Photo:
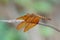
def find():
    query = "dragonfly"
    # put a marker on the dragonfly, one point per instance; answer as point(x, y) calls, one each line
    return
point(30, 21)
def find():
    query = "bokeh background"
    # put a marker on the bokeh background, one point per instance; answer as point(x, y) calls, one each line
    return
point(11, 9)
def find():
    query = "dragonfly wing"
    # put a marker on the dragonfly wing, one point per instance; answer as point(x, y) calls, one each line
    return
point(23, 17)
point(19, 18)
point(21, 25)
point(29, 26)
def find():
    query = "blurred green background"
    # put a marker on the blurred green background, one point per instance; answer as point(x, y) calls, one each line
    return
point(8, 31)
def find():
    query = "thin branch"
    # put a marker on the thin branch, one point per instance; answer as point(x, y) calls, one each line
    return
point(40, 23)
point(49, 25)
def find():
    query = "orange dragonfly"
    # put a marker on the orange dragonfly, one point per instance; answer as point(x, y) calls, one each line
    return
point(30, 20)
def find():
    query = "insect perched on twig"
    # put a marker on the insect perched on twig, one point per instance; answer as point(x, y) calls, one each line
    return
point(30, 20)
